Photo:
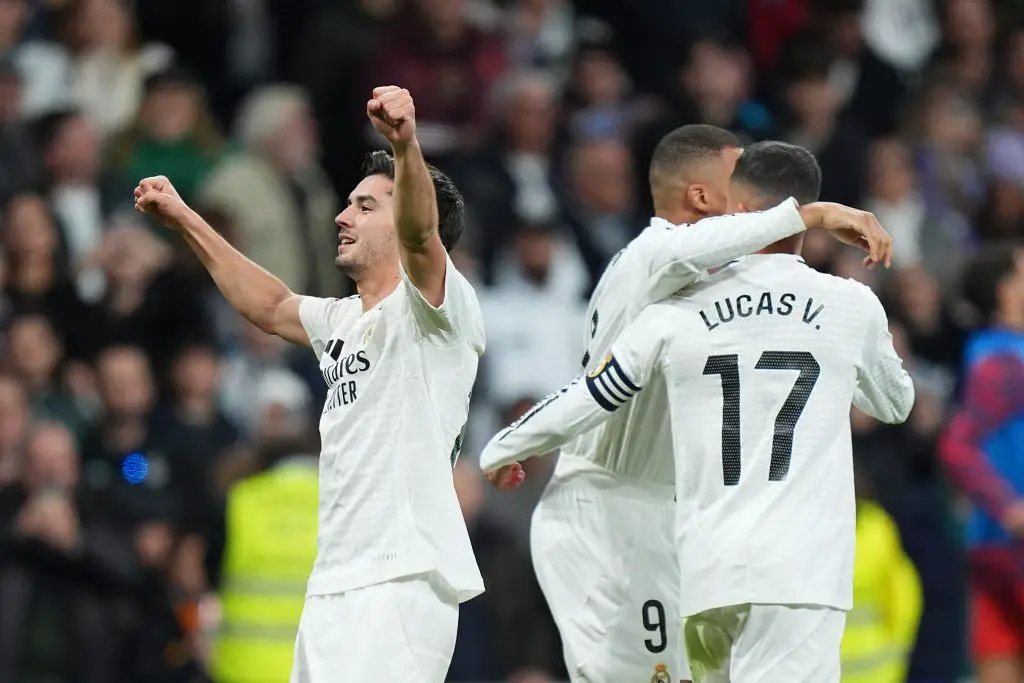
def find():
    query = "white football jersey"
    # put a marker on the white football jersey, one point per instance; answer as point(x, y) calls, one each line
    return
point(635, 444)
point(399, 379)
point(760, 362)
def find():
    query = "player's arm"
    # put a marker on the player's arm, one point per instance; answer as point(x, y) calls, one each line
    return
point(885, 390)
point(583, 404)
point(994, 394)
point(255, 293)
point(424, 258)
point(678, 257)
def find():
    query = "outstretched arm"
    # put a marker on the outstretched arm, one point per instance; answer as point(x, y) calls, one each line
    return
point(678, 257)
point(424, 257)
point(258, 295)
point(585, 403)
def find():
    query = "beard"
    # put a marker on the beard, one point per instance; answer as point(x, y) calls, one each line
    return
point(364, 255)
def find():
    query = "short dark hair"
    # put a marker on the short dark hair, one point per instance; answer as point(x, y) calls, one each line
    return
point(777, 170)
point(451, 208)
point(985, 274)
point(688, 144)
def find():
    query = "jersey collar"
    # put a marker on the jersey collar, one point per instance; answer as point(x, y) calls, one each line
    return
point(662, 223)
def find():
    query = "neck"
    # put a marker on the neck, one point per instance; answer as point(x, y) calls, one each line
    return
point(818, 127)
point(126, 300)
point(196, 410)
point(74, 177)
point(679, 215)
point(375, 288)
point(719, 112)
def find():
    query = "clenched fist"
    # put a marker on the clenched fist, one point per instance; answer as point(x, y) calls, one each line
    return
point(393, 114)
point(157, 197)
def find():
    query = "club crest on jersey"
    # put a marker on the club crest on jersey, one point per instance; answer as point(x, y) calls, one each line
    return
point(368, 334)
point(661, 674)
point(600, 367)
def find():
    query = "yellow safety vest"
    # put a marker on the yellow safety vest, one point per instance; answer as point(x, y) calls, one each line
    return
point(882, 627)
point(271, 547)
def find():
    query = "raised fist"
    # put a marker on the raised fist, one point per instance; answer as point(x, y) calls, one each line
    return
point(157, 197)
point(393, 114)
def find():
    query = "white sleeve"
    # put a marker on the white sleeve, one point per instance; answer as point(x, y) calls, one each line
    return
point(583, 404)
point(885, 390)
point(679, 257)
point(323, 317)
point(458, 316)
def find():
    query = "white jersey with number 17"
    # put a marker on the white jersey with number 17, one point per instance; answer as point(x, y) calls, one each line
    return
point(760, 362)
point(635, 445)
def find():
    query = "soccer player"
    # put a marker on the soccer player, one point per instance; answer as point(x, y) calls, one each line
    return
point(983, 450)
point(399, 359)
point(602, 536)
point(765, 514)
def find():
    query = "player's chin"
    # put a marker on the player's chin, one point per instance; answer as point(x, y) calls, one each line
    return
point(345, 261)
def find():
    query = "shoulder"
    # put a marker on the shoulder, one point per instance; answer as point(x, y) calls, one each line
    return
point(238, 166)
point(43, 50)
point(649, 239)
point(855, 294)
point(658, 319)
point(858, 292)
point(243, 491)
point(329, 311)
point(459, 317)
point(155, 57)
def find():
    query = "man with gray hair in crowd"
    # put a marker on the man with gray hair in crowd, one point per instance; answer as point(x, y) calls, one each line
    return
point(273, 199)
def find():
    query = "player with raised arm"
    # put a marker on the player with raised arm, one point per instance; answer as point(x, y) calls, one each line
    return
point(602, 537)
point(759, 364)
point(394, 559)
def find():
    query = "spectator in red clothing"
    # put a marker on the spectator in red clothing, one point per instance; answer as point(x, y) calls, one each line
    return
point(772, 23)
point(449, 66)
point(983, 450)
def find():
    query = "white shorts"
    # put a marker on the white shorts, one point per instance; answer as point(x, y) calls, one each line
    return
point(765, 644)
point(606, 562)
point(402, 630)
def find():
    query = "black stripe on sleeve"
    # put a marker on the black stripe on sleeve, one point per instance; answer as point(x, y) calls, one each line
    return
point(610, 386)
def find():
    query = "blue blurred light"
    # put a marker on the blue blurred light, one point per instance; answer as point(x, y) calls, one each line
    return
point(135, 468)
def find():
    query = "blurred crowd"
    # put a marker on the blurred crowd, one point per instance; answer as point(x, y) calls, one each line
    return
point(132, 397)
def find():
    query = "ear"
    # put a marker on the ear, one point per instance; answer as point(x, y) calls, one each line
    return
point(698, 198)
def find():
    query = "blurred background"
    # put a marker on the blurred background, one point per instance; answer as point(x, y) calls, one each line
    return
point(143, 423)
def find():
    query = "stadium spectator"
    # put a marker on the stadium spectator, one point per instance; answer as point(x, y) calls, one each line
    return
point(174, 129)
point(57, 562)
point(435, 52)
point(84, 196)
point(277, 202)
point(982, 449)
point(882, 626)
point(111, 64)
